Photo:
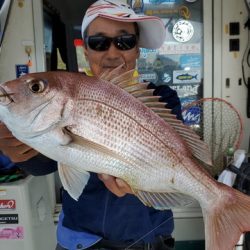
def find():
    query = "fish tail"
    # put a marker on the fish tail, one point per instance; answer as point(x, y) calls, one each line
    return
point(227, 219)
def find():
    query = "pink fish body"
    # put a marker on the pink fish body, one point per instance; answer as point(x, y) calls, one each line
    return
point(88, 124)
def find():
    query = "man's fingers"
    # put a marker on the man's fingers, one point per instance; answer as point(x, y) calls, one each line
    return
point(4, 132)
point(17, 157)
point(13, 148)
point(12, 142)
point(123, 186)
point(17, 151)
point(111, 183)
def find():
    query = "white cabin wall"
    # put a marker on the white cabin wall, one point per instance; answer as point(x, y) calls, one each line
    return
point(24, 28)
point(227, 65)
point(19, 32)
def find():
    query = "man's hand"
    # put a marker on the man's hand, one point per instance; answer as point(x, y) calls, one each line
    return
point(13, 148)
point(115, 185)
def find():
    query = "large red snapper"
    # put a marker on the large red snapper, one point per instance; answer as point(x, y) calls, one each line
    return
point(88, 124)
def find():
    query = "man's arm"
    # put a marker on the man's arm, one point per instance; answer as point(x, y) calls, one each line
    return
point(13, 148)
point(24, 156)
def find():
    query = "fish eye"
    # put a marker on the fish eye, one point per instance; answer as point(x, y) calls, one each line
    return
point(36, 85)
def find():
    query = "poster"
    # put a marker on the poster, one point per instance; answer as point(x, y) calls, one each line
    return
point(179, 61)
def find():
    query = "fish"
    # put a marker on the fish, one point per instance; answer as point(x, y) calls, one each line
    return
point(187, 76)
point(116, 126)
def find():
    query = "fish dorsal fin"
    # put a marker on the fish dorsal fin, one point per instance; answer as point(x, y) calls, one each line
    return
point(162, 201)
point(122, 80)
point(140, 91)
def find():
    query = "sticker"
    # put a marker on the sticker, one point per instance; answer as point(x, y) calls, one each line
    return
point(183, 31)
point(151, 77)
point(8, 218)
point(144, 53)
point(191, 61)
point(7, 204)
point(21, 69)
point(184, 12)
point(183, 76)
point(187, 90)
point(175, 49)
point(166, 78)
point(187, 100)
point(192, 115)
point(11, 233)
point(137, 5)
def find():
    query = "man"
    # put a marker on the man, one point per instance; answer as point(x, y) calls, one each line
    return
point(107, 216)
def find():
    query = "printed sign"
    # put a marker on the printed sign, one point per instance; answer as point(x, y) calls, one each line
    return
point(180, 48)
point(8, 218)
point(183, 76)
point(10, 233)
point(185, 90)
point(21, 69)
point(145, 53)
point(7, 204)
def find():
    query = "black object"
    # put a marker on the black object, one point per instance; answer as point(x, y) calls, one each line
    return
point(242, 182)
point(11, 175)
point(234, 44)
point(248, 98)
point(234, 28)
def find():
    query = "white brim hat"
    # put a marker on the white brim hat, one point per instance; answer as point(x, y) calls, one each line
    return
point(151, 28)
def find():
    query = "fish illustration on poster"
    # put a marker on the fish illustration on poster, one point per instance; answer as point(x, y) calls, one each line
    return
point(183, 76)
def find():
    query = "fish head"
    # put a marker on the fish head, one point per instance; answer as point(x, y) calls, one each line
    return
point(34, 103)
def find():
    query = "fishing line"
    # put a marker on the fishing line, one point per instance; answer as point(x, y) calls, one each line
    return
point(127, 248)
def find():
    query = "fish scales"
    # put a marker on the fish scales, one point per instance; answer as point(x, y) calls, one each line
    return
point(88, 124)
point(111, 124)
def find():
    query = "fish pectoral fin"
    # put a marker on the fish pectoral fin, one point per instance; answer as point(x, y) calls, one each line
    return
point(61, 136)
point(162, 201)
point(73, 180)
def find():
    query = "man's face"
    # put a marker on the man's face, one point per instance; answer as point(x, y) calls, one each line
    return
point(100, 61)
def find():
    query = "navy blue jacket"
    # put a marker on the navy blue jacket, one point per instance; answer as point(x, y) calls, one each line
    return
point(100, 212)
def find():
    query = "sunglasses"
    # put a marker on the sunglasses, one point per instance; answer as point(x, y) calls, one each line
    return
point(103, 43)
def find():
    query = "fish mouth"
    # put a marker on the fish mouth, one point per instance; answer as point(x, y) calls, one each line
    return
point(5, 97)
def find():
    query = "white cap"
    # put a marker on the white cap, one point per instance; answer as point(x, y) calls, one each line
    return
point(151, 28)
